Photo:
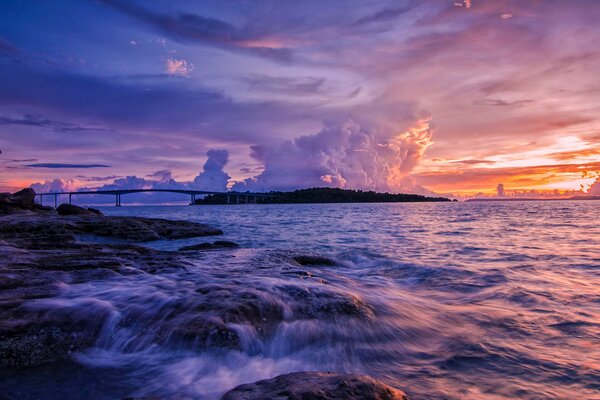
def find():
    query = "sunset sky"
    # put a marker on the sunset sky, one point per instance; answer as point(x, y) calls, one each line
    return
point(405, 96)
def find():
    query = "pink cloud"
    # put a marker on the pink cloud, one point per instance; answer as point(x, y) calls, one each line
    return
point(179, 67)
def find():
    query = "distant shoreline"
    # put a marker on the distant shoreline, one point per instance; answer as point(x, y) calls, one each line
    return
point(318, 196)
point(534, 199)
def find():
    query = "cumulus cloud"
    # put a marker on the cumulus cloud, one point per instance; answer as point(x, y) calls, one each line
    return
point(594, 190)
point(342, 155)
point(213, 177)
point(178, 67)
point(55, 185)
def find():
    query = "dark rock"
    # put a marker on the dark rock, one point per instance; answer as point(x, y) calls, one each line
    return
point(41, 230)
point(219, 303)
point(311, 259)
point(24, 198)
point(219, 244)
point(95, 211)
point(138, 229)
point(18, 202)
point(70, 209)
point(316, 386)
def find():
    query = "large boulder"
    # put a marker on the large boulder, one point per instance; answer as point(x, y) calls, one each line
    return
point(70, 209)
point(24, 198)
point(19, 201)
point(316, 386)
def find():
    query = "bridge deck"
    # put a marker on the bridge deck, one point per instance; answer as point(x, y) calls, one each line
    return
point(192, 193)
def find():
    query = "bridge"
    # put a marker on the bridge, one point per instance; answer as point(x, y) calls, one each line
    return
point(232, 197)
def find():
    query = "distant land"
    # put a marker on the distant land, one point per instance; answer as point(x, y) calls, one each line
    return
point(535, 198)
point(322, 195)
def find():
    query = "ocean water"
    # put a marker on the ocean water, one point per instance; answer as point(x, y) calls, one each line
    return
point(495, 300)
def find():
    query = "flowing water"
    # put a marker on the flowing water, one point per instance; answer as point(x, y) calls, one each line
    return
point(444, 300)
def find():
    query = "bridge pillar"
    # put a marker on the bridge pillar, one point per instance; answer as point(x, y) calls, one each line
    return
point(41, 199)
point(69, 198)
point(117, 200)
point(55, 200)
point(192, 199)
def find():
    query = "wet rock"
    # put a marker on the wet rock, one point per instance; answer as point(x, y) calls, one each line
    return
point(202, 301)
point(41, 230)
point(312, 259)
point(31, 340)
point(95, 211)
point(316, 386)
point(70, 209)
point(138, 229)
point(219, 244)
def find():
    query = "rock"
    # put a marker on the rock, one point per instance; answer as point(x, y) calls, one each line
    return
point(316, 386)
point(24, 198)
point(41, 230)
point(219, 244)
point(19, 201)
point(311, 259)
point(210, 301)
point(95, 211)
point(34, 338)
point(70, 209)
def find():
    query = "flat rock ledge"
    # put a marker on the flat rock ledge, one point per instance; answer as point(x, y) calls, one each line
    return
point(316, 386)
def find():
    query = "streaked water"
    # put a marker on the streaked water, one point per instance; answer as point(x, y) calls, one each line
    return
point(465, 301)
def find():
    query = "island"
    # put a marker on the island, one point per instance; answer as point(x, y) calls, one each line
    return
point(318, 195)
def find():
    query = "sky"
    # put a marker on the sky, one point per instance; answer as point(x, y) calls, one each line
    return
point(423, 96)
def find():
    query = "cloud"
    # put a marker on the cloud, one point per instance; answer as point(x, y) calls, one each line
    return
point(162, 175)
point(480, 178)
point(342, 155)
point(124, 106)
point(55, 185)
point(97, 178)
point(7, 49)
point(178, 67)
point(213, 177)
point(194, 28)
point(37, 121)
point(385, 15)
point(294, 86)
point(58, 165)
point(472, 162)
point(594, 189)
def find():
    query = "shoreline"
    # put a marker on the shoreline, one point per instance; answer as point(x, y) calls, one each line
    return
point(46, 320)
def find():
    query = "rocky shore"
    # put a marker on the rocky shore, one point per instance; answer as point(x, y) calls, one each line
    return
point(45, 319)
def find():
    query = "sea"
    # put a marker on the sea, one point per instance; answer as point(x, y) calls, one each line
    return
point(465, 300)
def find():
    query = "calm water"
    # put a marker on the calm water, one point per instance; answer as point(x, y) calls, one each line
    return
point(469, 301)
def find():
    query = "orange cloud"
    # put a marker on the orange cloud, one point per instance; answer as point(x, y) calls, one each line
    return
point(179, 67)
point(563, 176)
